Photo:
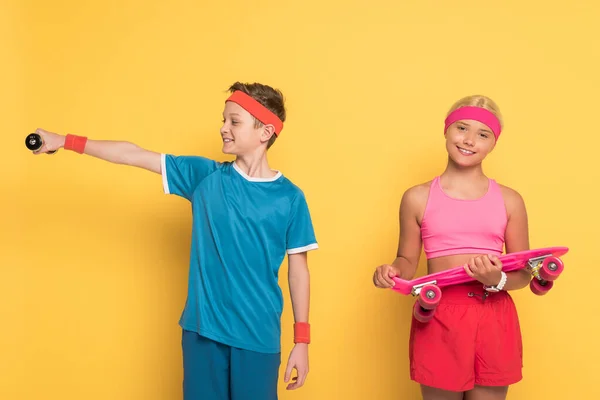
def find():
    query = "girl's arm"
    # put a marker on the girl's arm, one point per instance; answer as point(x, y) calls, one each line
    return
point(516, 236)
point(406, 262)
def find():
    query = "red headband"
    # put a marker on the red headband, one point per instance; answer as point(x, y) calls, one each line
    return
point(258, 111)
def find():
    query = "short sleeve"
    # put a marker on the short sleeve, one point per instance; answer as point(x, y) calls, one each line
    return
point(182, 174)
point(300, 232)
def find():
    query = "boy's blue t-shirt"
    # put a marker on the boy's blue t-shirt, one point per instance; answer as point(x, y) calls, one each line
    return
point(242, 229)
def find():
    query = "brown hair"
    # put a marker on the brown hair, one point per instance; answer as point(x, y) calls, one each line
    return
point(479, 101)
point(271, 98)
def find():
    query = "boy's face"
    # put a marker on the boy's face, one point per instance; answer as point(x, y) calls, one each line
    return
point(239, 135)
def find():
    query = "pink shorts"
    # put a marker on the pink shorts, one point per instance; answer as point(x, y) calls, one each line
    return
point(473, 339)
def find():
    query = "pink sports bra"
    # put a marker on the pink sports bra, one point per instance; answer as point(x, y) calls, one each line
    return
point(453, 226)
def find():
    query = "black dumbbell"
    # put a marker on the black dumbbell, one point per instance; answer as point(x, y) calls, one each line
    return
point(34, 142)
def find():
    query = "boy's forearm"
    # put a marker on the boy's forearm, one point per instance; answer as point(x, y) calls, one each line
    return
point(124, 153)
point(299, 283)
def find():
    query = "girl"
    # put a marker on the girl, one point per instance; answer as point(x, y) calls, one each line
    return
point(472, 347)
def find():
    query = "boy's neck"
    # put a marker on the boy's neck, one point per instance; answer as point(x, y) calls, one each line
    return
point(255, 166)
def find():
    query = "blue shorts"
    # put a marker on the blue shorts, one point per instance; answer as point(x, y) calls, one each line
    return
point(214, 371)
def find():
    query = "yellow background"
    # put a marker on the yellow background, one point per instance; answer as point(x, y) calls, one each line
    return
point(94, 257)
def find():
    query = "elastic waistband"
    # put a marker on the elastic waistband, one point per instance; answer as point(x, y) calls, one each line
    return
point(470, 293)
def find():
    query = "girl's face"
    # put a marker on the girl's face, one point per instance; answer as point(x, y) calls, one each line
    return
point(468, 142)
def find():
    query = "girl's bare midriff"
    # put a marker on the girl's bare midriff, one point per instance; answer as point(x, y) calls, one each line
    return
point(446, 262)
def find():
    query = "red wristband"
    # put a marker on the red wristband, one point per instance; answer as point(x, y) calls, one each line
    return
point(75, 143)
point(301, 332)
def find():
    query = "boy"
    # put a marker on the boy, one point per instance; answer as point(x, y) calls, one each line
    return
point(246, 217)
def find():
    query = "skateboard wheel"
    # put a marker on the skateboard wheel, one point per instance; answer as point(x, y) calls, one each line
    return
point(551, 268)
point(539, 287)
point(429, 297)
point(34, 142)
point(421, 314)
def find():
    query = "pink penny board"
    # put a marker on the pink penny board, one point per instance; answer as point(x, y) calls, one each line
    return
point(457, 275)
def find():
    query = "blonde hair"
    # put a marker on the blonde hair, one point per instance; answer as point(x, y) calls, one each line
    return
point(479, 101)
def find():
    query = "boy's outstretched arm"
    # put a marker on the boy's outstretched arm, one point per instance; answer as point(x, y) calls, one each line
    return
point(299, 283)
point(116, 152)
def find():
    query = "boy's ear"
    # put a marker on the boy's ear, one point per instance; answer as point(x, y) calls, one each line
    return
point(267, 132)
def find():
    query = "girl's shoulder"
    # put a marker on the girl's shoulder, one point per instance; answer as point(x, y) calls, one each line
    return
point(512, 198)
point(417, 195)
